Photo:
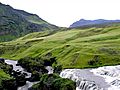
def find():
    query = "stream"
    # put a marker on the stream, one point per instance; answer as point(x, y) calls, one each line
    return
point(102, 78)
point(19, 68)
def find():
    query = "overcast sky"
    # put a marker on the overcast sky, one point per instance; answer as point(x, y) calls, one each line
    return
point(65, 12)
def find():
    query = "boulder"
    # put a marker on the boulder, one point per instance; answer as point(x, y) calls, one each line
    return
point(2, 60)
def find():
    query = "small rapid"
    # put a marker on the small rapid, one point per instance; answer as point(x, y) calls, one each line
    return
point(22, 70)
point(17, 68)
point(50, 69)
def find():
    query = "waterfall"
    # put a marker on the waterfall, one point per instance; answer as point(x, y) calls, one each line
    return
point(102, 78)
point(111, 74)
point(86, 85)
point(81, 83)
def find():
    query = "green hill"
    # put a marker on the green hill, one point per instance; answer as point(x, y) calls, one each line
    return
point(74, 48)
point(16, 23)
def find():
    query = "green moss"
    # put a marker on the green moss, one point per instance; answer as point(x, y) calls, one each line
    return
point(3, 76)
point(54, 82)
point(64, 84)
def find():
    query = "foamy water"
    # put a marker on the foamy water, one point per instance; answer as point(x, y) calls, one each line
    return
point(111, 74)
point(102, 78)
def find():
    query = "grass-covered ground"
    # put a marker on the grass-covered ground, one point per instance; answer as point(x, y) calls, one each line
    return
point(74, 48)
point(3, 76)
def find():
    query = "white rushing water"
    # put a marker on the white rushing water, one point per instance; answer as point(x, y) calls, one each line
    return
point(102, 78)
point(27, 85)
point(50, 69)
point(19, 68)
point(111, 74)
point(84, 78)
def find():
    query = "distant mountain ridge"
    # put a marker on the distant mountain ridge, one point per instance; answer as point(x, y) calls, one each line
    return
point(83, 22)
point(16, 23)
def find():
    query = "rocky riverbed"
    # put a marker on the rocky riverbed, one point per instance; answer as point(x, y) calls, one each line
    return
point(22, 70)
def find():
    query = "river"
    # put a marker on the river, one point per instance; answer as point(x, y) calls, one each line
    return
point(102, 78)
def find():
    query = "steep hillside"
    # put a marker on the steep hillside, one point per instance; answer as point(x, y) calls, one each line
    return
point(88, 23)
point(15, 23)
point(74, 48)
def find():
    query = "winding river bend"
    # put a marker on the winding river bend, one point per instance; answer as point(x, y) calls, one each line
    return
point(102, 78)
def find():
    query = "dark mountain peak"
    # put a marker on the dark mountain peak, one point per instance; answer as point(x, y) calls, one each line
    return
point(100, 19)
point(83, 22)
point(5, 5)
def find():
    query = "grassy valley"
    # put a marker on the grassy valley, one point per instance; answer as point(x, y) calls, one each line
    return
point(37, 55)
point(73, 48)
